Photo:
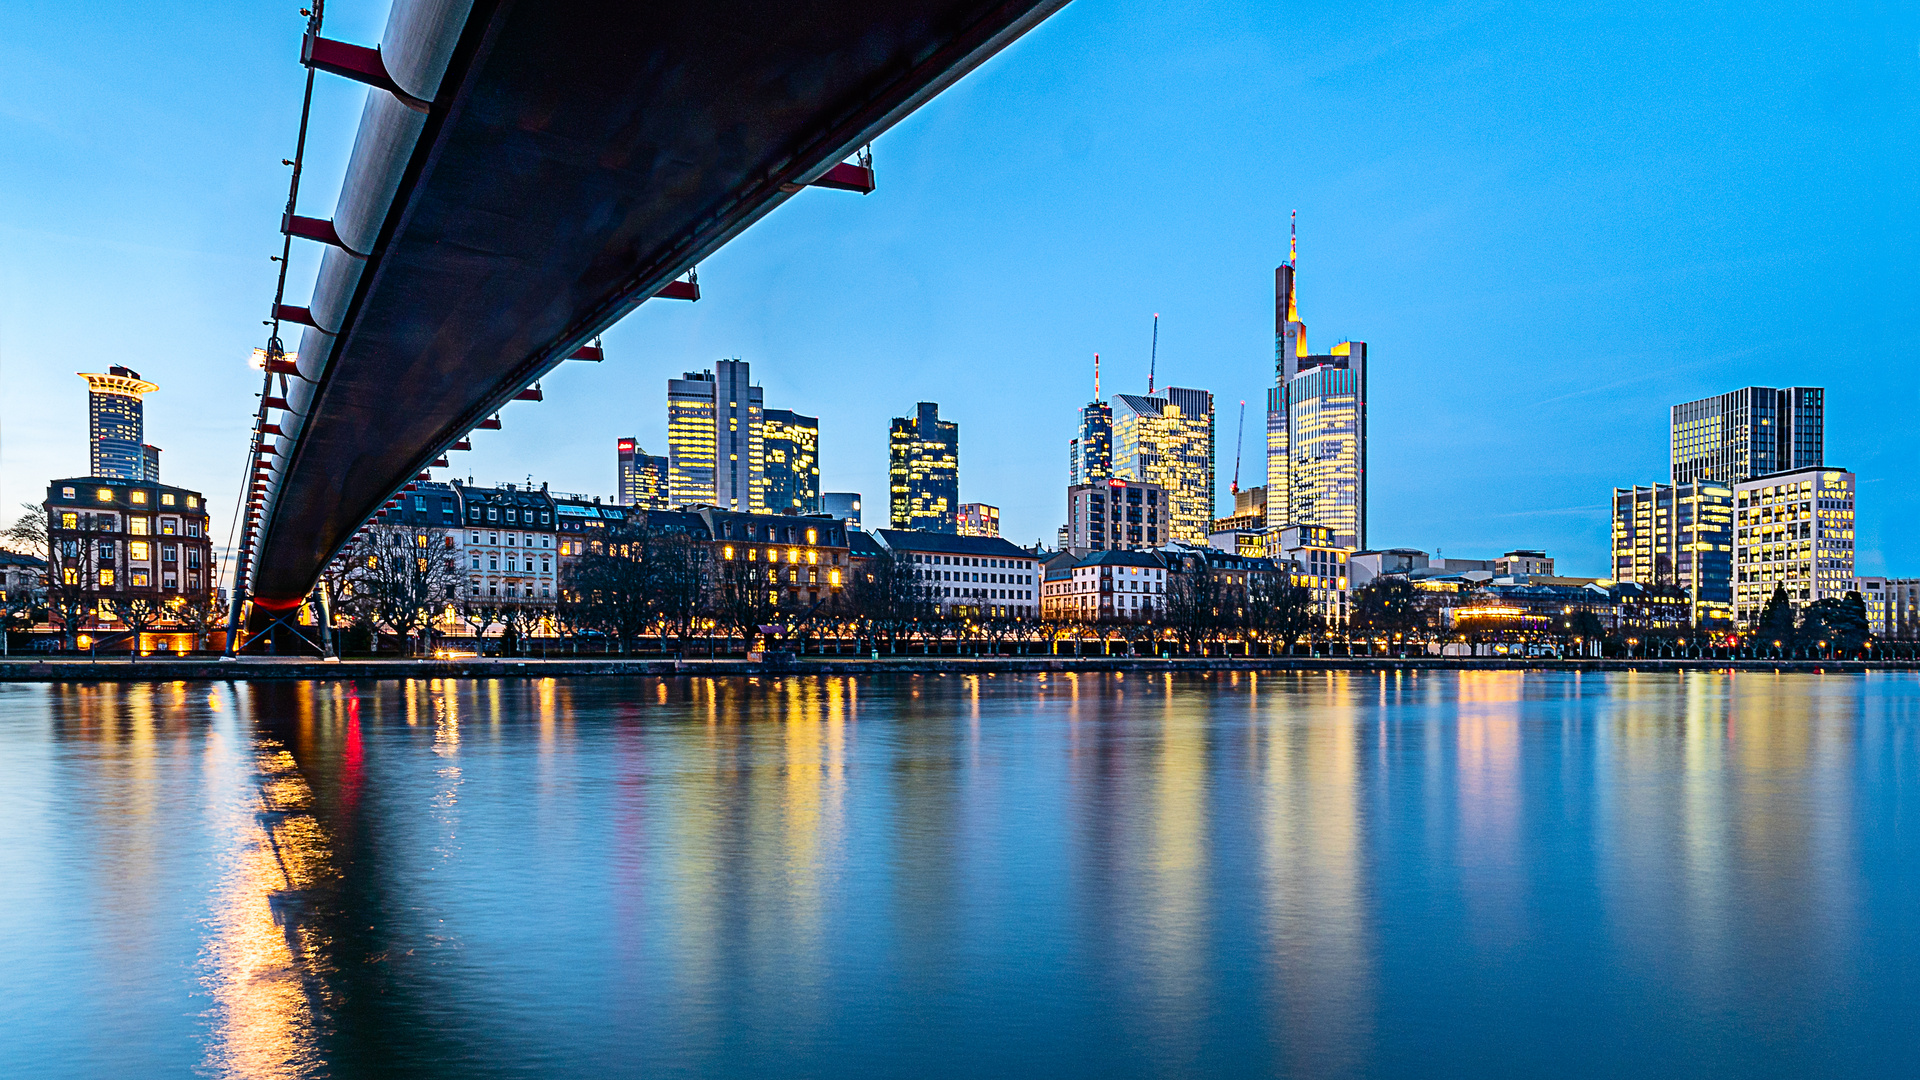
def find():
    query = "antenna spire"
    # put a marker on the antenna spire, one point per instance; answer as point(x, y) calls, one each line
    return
point(1096, 378)
point(1154, 362)
point(1293, 239)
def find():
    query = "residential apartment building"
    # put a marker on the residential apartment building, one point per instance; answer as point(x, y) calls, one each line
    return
point(976, 576)
point(1168, 440)
point(508, 543)
point(645, 479)
point(1107, 586)
point(1877, 597)
point(1680, 535)
point(923, 472)
point(790, 450)
point(803, 561)
point(1746, 433)
point(1792, 530)
point(1116, 514)
point(715, 450)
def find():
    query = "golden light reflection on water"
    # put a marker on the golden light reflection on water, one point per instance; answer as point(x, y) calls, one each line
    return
point(265, 963)
point(1311, 847)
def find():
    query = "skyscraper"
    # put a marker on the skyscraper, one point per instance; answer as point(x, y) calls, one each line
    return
point(1090, 451)
point(1750, 432)
point(1316, 426)
point(1168, 440)
point(714, 446)
point(116, 419)
point(978, 519)
point(643, 477)
point(923, 475)
point(1792, 531)
point(790, 448)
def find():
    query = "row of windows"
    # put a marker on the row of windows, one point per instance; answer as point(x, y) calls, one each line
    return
point(138, 525)
point(135, 496)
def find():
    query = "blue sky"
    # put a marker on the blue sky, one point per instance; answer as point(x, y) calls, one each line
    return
point(1549, 222)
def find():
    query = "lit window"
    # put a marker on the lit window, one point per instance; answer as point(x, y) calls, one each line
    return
point(138, 496)
point(725, 552)
point(104, 494)
point(106, 577)
point(137, 551)
point(166, 499)
point(66, 493)
point(69, 521)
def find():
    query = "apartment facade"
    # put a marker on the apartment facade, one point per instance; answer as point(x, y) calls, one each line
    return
point(1794, 531)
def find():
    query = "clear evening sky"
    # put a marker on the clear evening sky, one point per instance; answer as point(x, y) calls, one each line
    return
point(1549, 222)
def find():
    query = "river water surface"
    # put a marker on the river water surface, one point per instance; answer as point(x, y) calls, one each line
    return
point(1325, 874)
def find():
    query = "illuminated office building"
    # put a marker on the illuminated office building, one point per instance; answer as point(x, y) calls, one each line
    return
point(842, 506)
point(1678, 534)
point(1753, 431)
point(1316, 427)
point(116, 420)
point(1090, 451)
point(923, 473)
point(790, 450)
point(1792, 530)
point(714, 449)
point(1168, 440)
point(1116, 515)
point(643, 477)
point(978, 519)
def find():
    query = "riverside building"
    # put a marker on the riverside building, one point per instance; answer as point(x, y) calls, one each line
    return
point(508, 542)
point(1750, 432)
point(923, 471)
point(714, 439)
point(1316, 426)
point(1792, 530)
point(1168, 440)
point(976, 576)
point(117, 543)
point(1678, 534)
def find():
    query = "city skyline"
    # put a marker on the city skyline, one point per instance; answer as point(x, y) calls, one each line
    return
point(1521, 345)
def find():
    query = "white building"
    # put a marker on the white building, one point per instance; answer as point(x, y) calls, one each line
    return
point(1792, 531)
point(970, 575)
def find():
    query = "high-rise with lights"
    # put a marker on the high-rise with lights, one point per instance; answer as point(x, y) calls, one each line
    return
point(1316, 427)
point(116, 417)
point(1167, 439)
point(714, 449)
point(923, 473)
point(643, 477)
point(1090, 451)
point(1750, 432)
point(790, 450)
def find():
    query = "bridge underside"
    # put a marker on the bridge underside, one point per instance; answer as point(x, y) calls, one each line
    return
point(576, 157)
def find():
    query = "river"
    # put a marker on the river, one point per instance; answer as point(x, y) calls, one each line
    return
point(1435, 874)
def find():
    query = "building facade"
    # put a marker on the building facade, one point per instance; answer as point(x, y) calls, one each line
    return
point(714, 439)
point(1792, 530)
point(644, 478)
point(1090, 451)
point(802, 561)
point(507, 543)
point(1876, 596)
point(790, 450)
point(1750, 432)
point(1117, 515)
point(1316, 426)
point(1903, 609)
point(978, 519)
point(1313, 561)
point(115, 541)
point(1108, 586)
point(841, 506)
point(923, 471)
point(1168, 440)
point(976, 576)
point(116, 427)
point(1681, 535)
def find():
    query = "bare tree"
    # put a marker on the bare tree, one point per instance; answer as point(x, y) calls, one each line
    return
point(403, 575)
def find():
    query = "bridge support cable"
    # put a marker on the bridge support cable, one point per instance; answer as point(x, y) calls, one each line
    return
point(253, 494)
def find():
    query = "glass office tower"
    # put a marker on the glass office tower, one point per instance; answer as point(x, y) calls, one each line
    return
point(1316, 428)
point(790, 452)
point(714, 448)
point(1168, 440)
point(116, 421)
point(923, 473)
point(644, 478)
point(1749, 432)
point(1678, 534)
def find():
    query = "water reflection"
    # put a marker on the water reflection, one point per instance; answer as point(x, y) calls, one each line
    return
point(1295, 874)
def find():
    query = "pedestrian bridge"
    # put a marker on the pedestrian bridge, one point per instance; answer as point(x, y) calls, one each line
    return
point(525, 174)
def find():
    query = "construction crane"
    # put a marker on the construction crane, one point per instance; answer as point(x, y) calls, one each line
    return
point(1239, 440)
